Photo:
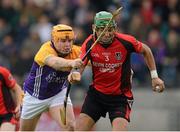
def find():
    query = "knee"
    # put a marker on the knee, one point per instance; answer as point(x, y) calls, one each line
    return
point(120, 124)
point(71, 125)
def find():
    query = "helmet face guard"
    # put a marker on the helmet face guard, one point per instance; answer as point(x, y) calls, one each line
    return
point(61, 31)
point(102, 19)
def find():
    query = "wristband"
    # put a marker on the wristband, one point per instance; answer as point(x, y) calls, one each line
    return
point(154, 74)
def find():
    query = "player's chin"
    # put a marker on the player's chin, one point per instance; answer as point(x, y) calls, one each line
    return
point(107, 39)
point(106, 42)
point(66, 52)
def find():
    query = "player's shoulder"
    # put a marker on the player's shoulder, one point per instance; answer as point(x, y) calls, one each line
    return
point(46, 45)
point(76, 50)
point(45, 51)
point(126, 37)
point(76, 47)
point(3, 70)
point(88, 39)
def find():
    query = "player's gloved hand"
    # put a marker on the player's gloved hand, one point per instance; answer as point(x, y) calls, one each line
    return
point(77, 63)
point(74, 76)
point(158, 85)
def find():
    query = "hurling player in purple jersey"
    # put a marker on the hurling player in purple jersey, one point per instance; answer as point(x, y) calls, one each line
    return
point(46, 84)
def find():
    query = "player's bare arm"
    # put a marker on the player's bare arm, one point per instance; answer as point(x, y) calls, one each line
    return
point(18, 95)
point(157, 83)
point(62, 64)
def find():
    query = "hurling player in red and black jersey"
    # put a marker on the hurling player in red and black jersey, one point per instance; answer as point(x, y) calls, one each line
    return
point(110, 91)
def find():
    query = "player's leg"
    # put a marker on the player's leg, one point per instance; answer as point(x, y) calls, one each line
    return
point(119, 113)
point(70, 118)
point(31, 112)
point(84, 123)
point(56, 104)
point(29, 124)
point(119, 124)
point(91, 112)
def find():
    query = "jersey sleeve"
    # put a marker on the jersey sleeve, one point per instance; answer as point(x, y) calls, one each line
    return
point(45, 51)
point(137, 45)
point(133, 44)
point(9, 79)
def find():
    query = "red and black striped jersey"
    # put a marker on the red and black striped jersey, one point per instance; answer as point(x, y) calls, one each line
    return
point(111, 65)
point(10, 83)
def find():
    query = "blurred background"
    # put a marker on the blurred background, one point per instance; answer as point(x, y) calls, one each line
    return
point(26, 24)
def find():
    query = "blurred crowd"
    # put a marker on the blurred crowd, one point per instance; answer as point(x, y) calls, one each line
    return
point(26, 24)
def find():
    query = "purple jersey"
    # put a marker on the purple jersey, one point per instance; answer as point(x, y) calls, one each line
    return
point(43, 81)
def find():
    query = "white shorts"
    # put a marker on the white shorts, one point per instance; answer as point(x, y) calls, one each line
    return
point(33, 106)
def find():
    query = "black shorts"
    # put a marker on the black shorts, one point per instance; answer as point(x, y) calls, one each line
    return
point(97, 104)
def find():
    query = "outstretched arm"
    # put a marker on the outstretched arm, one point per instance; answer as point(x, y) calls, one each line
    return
point(157, 83)
point(62, 64)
